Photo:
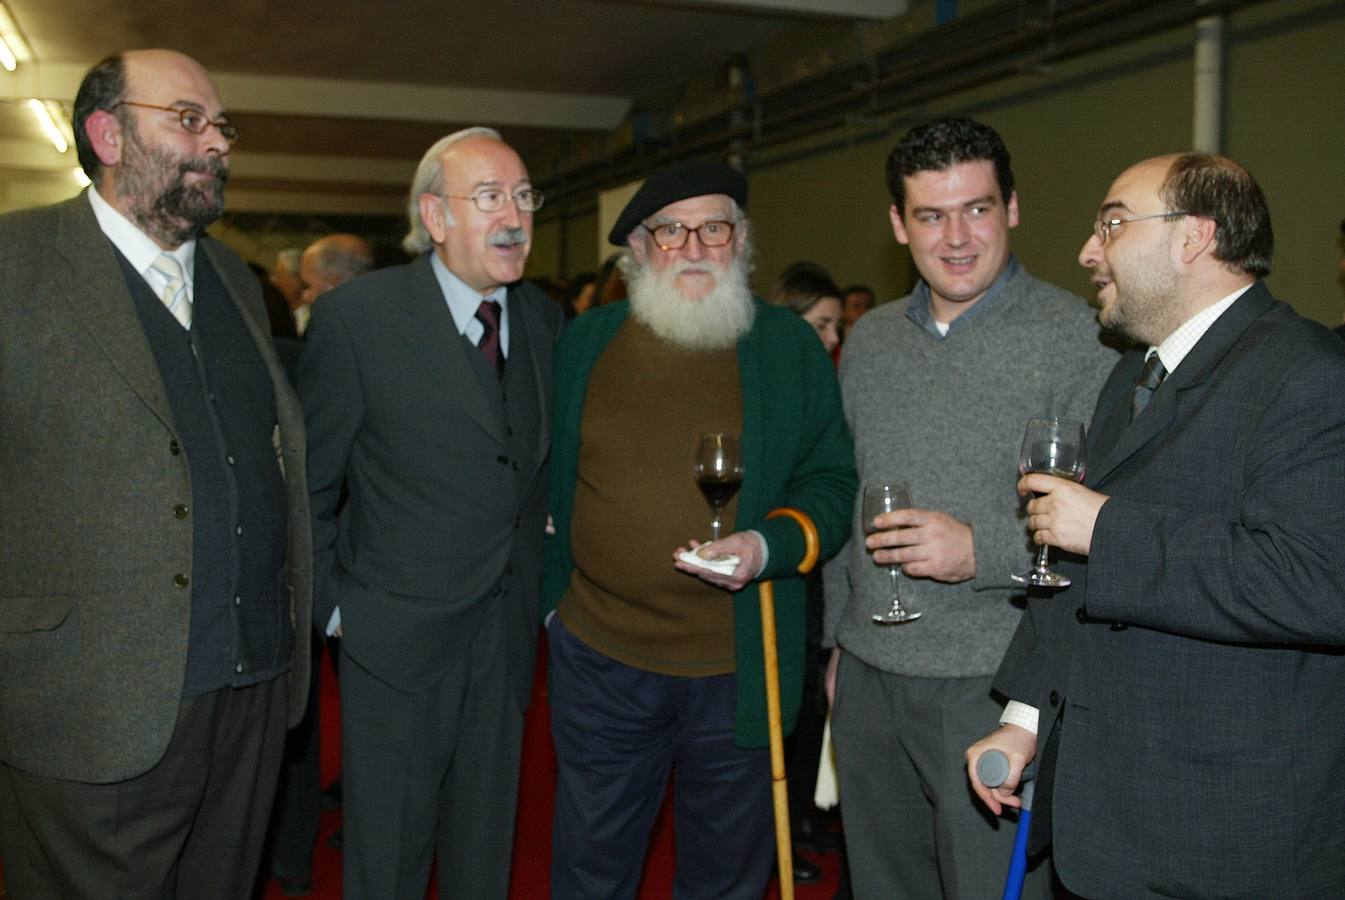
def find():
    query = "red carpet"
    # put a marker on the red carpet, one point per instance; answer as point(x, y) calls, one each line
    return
point(532, 841)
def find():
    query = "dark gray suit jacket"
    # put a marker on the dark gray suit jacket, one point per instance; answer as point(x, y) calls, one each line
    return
point(396, 412)
point(93, 630)
point(1198, 655)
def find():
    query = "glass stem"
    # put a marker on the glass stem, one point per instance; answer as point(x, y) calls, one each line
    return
point(893, 572)
point(714, 523)
point(1043, 563)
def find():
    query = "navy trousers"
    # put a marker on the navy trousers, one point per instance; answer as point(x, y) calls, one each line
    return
point(618, 733)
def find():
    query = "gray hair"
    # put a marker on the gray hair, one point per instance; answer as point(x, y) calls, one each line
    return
point(430, 180)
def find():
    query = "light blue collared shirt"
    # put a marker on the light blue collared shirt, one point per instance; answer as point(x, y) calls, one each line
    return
point(463, 302)
point(918, 310)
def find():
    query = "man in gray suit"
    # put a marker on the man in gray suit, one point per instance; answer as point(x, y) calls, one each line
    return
point(426, 388)
point(1185, 690)
point(154, 537)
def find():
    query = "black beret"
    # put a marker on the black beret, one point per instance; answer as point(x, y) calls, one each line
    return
point(692, 179)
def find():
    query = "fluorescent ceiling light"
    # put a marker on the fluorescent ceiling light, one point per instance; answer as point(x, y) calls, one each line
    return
point(79, 176)
point(7, 55)
point(47, 120)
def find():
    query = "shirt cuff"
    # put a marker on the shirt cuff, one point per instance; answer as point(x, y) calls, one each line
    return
point(765, 551)
point(1020, 714)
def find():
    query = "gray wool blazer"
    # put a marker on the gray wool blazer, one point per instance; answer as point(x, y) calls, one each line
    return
point(93, 630)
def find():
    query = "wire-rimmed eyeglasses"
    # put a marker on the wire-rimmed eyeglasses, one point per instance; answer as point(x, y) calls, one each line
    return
point(1103, 228)
point(674, 235)
point(491, 200)
point(192, 120)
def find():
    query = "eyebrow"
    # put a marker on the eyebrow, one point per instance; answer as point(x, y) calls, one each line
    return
point(1112, 206)
point(983, 200)
point(497, 183)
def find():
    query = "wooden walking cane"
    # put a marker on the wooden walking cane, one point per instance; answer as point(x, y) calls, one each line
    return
point(784, 844)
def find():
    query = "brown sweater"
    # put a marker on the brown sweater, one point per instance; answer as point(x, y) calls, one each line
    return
point(636, 501)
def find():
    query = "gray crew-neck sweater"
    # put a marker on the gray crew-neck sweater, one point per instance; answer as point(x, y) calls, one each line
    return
point(947, 417)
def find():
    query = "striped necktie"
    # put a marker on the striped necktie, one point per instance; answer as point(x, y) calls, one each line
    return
point(1151, 376)
point(174, 294)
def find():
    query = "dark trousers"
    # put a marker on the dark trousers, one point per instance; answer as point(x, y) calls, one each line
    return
point(296, 816)
point(431, 774)
point(913, 828)
point(192, 827)
point(618, 731)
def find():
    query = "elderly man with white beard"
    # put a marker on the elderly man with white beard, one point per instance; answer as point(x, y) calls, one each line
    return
point(657, 661)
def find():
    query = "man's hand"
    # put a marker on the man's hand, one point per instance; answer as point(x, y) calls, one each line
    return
point(1019, 745)
point(925, 543)
point(745, 545)
point(1064, 512)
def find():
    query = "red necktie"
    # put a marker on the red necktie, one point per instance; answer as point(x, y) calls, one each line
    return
point(488, 314)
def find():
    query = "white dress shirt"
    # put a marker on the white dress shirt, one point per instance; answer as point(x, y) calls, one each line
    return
point(139, 248)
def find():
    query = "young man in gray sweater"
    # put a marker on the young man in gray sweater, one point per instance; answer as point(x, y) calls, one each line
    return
point(938, 387)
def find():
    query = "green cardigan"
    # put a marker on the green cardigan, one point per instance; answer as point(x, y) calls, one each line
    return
point(797, 452)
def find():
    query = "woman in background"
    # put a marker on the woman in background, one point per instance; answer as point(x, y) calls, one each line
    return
point(807, 289)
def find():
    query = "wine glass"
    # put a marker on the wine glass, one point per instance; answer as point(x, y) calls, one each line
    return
point(719, 473)
point(879, 499)
point(1053, 447)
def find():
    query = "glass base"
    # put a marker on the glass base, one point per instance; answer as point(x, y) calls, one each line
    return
point(1042, 578)
point(897, 617)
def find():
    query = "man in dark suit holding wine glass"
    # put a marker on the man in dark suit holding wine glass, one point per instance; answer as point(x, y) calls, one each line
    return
point(1189, 680)
point(938, 387)
point(656, 666)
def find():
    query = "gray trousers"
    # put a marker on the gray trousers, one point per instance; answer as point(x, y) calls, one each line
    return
point(431, 776)
point(913, 827)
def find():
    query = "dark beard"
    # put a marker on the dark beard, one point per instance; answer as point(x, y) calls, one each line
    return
point(165, 206)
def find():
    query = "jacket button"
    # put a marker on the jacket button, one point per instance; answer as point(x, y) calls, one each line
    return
point(174, 447)
point(181, 580)
point(1055, 699)
point(1080, 615)
point(502, 460)
point(180, 511)
point(1119, 626)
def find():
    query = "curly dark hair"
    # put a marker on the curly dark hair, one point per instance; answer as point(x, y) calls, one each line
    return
point(102, 88)
point(942, 143)
point(1215, 187)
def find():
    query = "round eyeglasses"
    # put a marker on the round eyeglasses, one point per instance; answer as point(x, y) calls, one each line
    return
point(192, 120)
point(674, 235)
point(491, 200)
point(1104, 228)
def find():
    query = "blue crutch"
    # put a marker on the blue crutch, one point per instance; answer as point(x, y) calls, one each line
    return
point(993, 768)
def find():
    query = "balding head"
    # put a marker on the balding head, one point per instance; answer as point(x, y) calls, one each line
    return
point(333, 260)
point(134, 120)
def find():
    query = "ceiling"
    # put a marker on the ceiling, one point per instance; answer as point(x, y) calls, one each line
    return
point(336, 100)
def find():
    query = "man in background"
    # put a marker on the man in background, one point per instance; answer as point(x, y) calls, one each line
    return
point(327, 263)
point(154, 536)
point(938, 387)
point(655, 667)
point(427, 391)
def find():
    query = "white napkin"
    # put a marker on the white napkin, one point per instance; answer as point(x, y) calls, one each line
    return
point(720, 565)
point(827, 795)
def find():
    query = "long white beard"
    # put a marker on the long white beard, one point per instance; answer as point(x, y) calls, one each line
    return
point(714, 322)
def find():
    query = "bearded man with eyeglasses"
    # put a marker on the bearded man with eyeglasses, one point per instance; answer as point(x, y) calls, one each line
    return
point(154, 536)
point(427, 392)
point(656, 665)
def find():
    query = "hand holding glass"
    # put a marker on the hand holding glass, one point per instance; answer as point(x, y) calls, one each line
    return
point(1050, 447)
point(719, 473)
point(879, 499)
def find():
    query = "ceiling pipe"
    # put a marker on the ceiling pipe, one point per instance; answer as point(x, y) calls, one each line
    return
point(923, 76)
point(1207, 117)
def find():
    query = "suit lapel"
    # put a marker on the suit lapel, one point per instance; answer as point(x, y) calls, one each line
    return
point(432, 336)
point(524, 320)
point(1171, 397)
point(87, 275)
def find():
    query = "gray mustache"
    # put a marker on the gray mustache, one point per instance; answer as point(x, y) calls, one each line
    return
point(508, 236)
